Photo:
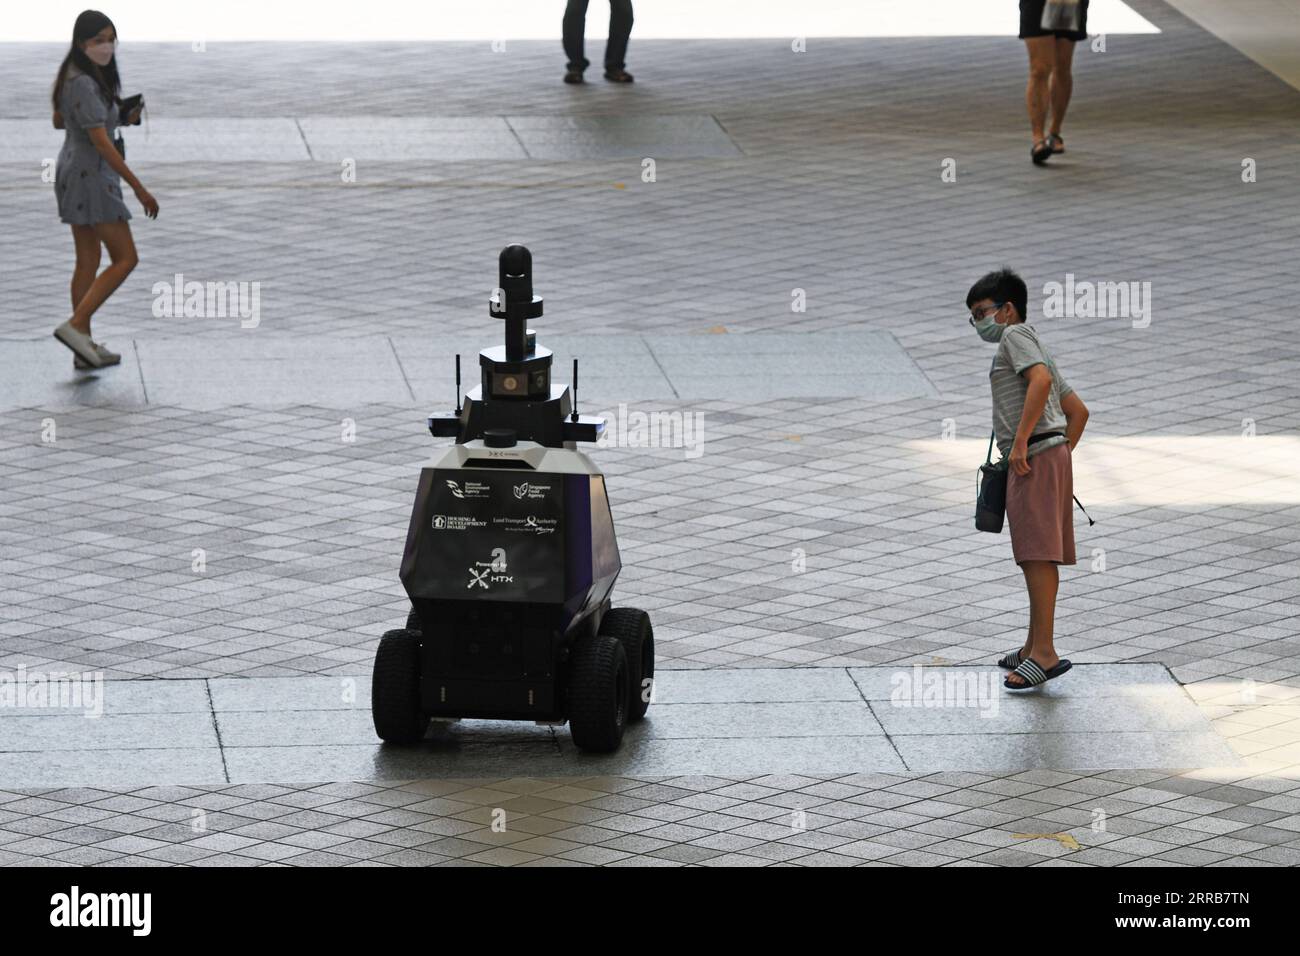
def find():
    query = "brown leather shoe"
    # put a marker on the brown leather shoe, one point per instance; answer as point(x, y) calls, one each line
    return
point(618, 76)
point(573, 76)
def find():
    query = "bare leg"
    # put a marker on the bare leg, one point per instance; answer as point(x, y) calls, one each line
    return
point(1042, 60)
point(88, 254)
point(1041, 580)
point(1062, 83)
point(121, 250)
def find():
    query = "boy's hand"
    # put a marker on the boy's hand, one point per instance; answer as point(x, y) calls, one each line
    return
point(1019, 457)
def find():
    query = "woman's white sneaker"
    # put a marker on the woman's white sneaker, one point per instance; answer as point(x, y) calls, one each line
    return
point(106, 358)
point(80, 344)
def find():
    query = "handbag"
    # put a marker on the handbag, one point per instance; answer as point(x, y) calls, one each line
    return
point(120, 144)
point(991, 493)
point(1062, 15)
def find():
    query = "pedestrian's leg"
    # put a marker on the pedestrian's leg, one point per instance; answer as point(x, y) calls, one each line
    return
point(121, 250)
point(88, 249)
point(1041, 580)
point(1062, 83)
point(1029, 641)
point(575, 25)
point(1042, 58)
point(620, 29)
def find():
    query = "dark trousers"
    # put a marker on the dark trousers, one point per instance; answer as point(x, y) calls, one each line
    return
point(620, 28)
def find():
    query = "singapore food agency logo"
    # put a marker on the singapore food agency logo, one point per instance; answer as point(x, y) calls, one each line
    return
point(529, 490)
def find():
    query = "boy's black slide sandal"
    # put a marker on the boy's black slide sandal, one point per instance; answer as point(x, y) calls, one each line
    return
point(1033, 675)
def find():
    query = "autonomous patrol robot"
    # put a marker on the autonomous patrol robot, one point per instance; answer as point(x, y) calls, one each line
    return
point(511, 559)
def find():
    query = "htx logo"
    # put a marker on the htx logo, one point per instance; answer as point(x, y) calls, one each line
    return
point(483, 573)
point(103, 909)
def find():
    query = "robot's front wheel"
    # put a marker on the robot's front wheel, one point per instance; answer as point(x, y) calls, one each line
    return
point(395, 689)
point(598, 693)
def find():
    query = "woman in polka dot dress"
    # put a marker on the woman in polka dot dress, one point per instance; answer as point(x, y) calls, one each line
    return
point(88, 180)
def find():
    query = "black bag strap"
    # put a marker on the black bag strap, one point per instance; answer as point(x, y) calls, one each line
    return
point(988, 458)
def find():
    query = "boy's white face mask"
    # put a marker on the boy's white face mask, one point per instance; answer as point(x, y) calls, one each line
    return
point(988, 328)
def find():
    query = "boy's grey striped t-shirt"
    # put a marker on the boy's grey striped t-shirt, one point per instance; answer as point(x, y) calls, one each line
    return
point(1018, 349)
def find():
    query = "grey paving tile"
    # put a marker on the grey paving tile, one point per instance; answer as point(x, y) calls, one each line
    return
point(278, 694)
point(754, 685)
point(1011, 715)
point(262, 367)
point(614, 136)
point(739, 721)
point(63, 732)
point(113, 768)
point(1083, 751)
point(409, 138)
point(139, 697)
point(226, 139)
point(40, 375)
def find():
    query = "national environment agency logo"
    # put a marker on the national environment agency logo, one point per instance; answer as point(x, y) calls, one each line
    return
point(468, 489)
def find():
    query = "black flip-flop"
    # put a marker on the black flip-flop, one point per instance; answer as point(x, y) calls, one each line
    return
point(1058, 145)
point(1033, 675)
point(1040, 152)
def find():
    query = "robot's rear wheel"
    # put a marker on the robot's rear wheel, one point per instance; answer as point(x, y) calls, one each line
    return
point(395, 689)
point(631, 627)
point(598, 693)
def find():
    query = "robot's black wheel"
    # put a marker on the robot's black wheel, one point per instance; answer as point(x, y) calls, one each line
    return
point(631, 628)
point(598, 692)
point(413, 623)
point(395, 689)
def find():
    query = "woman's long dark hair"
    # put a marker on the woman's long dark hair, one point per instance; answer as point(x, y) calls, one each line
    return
point(88, 25)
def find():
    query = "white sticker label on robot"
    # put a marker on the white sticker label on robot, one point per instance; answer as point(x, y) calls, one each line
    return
point(529, 490)
point(532, 524)
point(483, 574)
point(469, 489)
point(456, 522)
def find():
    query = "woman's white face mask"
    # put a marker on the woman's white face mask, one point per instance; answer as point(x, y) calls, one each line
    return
point(101, 52)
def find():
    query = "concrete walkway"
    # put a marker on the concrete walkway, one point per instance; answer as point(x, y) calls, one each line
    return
point(215, 526)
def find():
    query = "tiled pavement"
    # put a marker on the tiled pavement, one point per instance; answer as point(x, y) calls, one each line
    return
point(723, 722)
point(838, 193)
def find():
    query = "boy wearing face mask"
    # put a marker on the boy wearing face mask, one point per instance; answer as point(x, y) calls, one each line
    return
point(1037, 421)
